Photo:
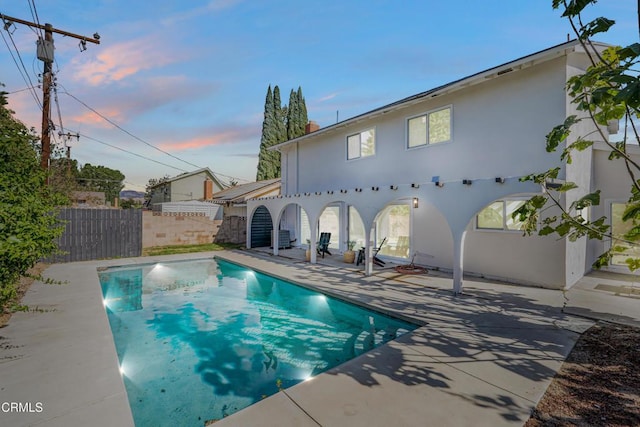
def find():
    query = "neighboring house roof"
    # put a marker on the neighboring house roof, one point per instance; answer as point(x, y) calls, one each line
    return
point(241, 193)
point(482, 76)
point(88, 197)
point(195, 172)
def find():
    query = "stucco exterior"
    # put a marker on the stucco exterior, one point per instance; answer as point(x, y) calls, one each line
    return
point(187, 186)
point(499, 120)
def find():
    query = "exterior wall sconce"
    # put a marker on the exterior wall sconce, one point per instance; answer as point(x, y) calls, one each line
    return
point(500, 180)
point(330, 192)
point(414, 185)
point(318, 193)
point(393, 187)
point(307, 194)
point(343, 191)
point(375, 188)
point(359, 190)
point(439, 184)
point(467, 181)
point(415, 203)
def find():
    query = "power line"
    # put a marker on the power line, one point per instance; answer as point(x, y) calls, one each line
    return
point(129, 152)
point(36, 18)
point(25, 73)
point(142, 140)
point(127, 132)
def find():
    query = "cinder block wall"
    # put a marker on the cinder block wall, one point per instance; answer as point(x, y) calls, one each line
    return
point(171, 228)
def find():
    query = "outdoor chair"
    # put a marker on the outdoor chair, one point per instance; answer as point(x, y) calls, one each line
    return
point(323, 244)
point(377, 261)
point(402, 247)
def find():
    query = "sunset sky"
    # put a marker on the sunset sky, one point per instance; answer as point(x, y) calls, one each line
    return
point(189, 78)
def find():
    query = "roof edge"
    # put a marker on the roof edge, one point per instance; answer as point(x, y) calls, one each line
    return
point(490, 73)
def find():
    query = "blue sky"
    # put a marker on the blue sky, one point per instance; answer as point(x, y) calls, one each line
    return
point(190, 77)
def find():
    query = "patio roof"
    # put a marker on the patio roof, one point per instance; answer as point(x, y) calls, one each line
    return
point(240, 193)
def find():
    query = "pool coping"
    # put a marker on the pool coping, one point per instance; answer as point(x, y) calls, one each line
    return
point(63, 354)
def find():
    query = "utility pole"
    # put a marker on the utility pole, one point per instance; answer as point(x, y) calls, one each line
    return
point(45, 54)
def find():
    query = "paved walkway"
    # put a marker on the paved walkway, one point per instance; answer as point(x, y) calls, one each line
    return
point(483, 358)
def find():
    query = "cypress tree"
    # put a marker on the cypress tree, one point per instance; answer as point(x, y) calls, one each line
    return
point(293, 128)
point(265, 158)
point(302, 112)
point(279, 124)
point(280, 117)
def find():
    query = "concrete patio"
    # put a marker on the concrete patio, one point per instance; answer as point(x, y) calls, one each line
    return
point(482, 358)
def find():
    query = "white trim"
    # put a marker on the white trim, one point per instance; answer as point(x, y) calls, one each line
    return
point(426, 114)
point(504, 228)
point(375, 143)
point(527, 61)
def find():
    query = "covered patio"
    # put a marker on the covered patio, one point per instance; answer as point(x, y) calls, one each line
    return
point(454, 203)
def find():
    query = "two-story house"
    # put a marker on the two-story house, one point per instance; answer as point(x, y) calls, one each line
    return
point(436, 176)
point(200, 184)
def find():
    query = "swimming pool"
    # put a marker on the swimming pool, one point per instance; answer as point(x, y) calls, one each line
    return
point(199, 340)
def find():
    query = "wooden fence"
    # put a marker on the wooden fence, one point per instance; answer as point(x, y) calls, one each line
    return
point(98, 234)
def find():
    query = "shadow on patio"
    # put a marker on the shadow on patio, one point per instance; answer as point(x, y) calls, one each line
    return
point(492, 350)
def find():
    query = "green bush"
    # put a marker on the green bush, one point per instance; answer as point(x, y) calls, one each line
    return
point(28, 221)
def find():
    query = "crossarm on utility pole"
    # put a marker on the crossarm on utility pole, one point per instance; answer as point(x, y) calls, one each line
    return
point(46, 77)
point(95, 39)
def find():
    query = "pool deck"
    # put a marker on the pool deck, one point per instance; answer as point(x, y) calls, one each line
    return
point(483, 358)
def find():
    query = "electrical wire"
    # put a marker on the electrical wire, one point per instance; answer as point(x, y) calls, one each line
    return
point(128, 152)
point(103, 117)
point(25, 73)
point(31, 88)
point(145, 142)
point(34, 15)
point(55, 100)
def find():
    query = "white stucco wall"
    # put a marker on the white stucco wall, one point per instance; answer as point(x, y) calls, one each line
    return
point(190, 187)
point(611, 177)
point(497, 126)
point(499, 129)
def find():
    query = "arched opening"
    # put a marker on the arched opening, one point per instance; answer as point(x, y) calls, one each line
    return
point(261, 227)
point(392, 230)
point(329, 222)
point(356, 230)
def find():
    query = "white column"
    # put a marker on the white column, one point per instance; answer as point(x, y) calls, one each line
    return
point(458, 260)
point(313, 226)
point(276, 240)
point(368, 258)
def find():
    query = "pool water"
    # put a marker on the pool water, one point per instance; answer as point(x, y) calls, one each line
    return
point(202, 339)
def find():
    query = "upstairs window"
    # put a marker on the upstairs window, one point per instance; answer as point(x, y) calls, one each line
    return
point(431, 128)
point(361, 144)
point(497, 216)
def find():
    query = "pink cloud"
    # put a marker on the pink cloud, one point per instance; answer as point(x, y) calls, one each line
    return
point(119, 61)
point(91, 118)
point(225, 137)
